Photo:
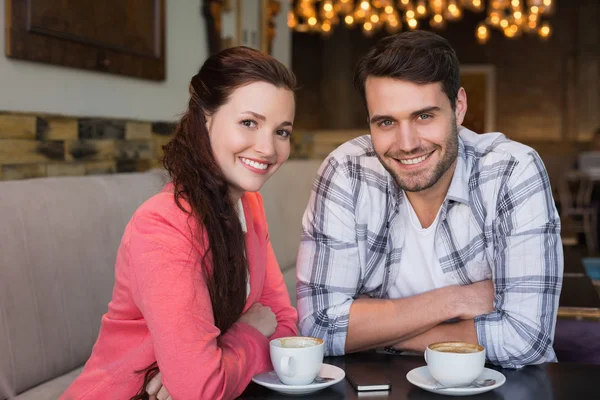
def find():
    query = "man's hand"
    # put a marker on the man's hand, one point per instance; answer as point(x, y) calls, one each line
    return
point(472, 300)
point(386, 322)
point(462, 331)
point(476, 299)
point(260, 317)
point(156, 390)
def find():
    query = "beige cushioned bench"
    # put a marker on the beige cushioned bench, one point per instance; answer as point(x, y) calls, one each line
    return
point(58, 243)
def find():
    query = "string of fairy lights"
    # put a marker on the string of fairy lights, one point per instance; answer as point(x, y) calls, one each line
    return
point(513, 18)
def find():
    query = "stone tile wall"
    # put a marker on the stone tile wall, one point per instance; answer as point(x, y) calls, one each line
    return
point(48, 145)
point(39, 145)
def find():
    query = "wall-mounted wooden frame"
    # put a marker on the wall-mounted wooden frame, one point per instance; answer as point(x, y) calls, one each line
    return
point(212, 12)
point(271, 9)
point(253, 23)
point(125, 37)
point(263, 27)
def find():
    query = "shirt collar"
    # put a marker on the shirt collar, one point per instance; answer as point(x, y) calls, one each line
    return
point(459, 187)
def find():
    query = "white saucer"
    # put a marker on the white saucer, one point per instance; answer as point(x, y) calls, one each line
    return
point(422, 378)
point(271, 381)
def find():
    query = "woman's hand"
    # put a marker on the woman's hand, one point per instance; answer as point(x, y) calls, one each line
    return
point(156, 390)
point(258, 316)
point(261, 318)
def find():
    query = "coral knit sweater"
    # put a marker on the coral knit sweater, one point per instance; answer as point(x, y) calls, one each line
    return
point(161, 311)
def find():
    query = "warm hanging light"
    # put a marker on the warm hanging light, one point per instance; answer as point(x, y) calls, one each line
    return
point(421, 8)
point(453, 11)
point(545, 31)
point(477, 5)
point(437, 22)
point(483, 33)
point(511, 17)
point(393, 24)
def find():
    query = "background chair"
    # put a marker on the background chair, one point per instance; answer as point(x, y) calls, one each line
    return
point(577, 212)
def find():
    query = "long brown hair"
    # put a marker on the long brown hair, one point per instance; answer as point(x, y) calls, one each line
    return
point(199, 181)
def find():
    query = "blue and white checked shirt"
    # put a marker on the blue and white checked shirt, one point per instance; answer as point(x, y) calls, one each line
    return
point(498, 222)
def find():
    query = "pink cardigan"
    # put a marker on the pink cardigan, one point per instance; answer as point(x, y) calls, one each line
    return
point(161, 311)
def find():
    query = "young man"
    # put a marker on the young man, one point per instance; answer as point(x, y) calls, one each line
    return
point(424, 231)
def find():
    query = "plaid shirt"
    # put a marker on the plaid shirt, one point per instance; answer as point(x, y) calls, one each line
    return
point(498, 222)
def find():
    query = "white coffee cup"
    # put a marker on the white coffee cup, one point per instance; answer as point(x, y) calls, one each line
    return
point(297, 359)
point(455, 363)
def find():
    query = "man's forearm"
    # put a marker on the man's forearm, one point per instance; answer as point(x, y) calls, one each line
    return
point(384, 322)
point(463, 331)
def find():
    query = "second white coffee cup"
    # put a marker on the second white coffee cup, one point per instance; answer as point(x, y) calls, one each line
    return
point(297, 359)
point(455, 363)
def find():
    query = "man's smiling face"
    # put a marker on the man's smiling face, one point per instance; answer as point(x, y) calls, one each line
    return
point(414, 130)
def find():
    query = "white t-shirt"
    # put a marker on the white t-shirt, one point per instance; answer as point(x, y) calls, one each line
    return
point(242, 217)
point(420, 269)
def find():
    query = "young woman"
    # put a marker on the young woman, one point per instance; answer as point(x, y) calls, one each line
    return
point(198, 293)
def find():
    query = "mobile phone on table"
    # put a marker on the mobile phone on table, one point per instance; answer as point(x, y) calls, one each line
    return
point(367, 378)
